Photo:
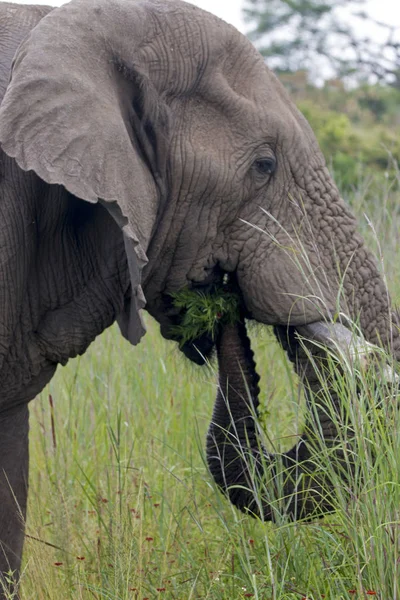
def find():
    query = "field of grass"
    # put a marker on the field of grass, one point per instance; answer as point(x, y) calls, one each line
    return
point(121, 504)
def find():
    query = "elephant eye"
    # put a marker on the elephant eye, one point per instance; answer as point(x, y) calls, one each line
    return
point(265, 166)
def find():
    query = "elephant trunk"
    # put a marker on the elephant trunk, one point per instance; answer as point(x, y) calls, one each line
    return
point(236, 457)
point(233, 449)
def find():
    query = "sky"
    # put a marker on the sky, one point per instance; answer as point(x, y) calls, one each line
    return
point(387, 11)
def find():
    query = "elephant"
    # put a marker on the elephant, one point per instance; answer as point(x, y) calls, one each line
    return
point(146, 148)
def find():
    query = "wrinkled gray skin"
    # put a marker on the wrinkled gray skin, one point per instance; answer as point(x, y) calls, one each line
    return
point(236, 457)
point(138, 141)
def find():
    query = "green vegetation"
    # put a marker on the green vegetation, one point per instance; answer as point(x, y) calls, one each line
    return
point(358, 128)
point(205, 313)
point(122, 507)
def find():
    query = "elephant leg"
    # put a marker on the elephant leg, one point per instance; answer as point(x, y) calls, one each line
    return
point(14, 464)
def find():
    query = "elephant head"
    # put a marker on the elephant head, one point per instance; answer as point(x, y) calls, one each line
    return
point(147, 147)
point(171, 120)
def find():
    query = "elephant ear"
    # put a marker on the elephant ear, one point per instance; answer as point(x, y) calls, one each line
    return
point(81, 111)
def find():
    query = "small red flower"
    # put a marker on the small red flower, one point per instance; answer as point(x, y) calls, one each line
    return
point(104, 500)
point(219, 315)
point(149, 539)
point(157, 504)
point(251, 542)
point(371, 593)
point(58, 564)
point(161, 589)
point(80, 558)
point(133, 589)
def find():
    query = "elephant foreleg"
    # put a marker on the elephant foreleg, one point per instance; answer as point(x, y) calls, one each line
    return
point(14, 463)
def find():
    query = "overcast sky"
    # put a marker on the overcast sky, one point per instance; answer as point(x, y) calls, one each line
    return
point(231, 10)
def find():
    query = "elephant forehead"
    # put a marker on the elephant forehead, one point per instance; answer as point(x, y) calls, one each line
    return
point(189, 50)
point(250, 113)
point(223, 124)
point(183, 42)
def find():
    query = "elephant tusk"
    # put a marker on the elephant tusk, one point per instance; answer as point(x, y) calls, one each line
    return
point(347, 346)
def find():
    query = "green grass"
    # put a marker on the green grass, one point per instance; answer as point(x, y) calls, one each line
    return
point(122, 507)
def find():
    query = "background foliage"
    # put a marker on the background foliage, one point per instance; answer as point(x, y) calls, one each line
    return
point(358, 128)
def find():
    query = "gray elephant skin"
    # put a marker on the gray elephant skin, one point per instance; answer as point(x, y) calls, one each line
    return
point(138, 142)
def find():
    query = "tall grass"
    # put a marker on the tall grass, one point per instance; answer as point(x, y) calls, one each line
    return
point(121, 504)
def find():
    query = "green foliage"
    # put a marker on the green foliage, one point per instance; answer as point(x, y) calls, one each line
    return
point(358, 129)
point(337, 139)
point(203, 313)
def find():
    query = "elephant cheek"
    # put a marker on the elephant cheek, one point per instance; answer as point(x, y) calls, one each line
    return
point(281, 292)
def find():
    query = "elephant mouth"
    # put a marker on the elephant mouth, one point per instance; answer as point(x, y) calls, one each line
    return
point(320, 335)
point(329, 336)
point(200, 349)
